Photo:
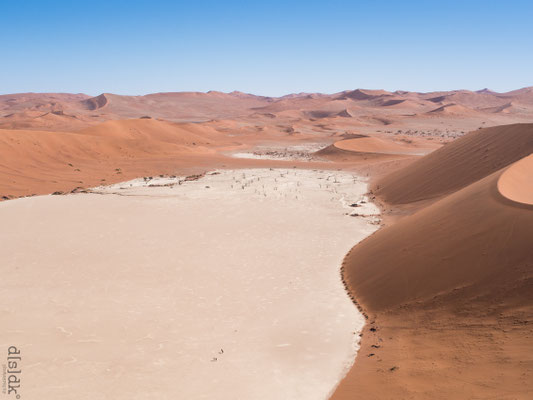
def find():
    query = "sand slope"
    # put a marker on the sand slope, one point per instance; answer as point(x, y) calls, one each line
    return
point(457, 164)
point(34, 162)
point(150, 130)
point(384, 146)
point(449, 295)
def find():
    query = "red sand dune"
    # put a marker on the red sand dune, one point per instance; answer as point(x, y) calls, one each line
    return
point(376, 155)
point(364, 110)
point(510, 108)
point(42, 162)
point(148, 130)
point(180, 105)
point(345, 113)
point(449, 293)
point(338, 154)
point(363, 94)
point(457, 164)
point(466, 98)
point(384, 146)
point(35, 162)
point(453, 109)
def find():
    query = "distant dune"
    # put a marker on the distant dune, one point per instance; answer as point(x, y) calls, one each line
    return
point(453, 108)
point(43, 162)
point(385, 146)
point(150, 130)
point(95, 103)
point(362, 94)
point(510, 108)
point(345, 113)
point(444, 114)
point(35, 162)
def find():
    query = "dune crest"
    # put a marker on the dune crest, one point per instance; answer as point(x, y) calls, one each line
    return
point(382, 146)
point(516, 183)
point(457, 164)
point(35, 162)
point(453, 109)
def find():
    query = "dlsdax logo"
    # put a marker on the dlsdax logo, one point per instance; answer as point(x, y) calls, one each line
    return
point(11, 373)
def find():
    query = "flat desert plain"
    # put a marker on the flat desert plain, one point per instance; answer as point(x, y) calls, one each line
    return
point(218, 288)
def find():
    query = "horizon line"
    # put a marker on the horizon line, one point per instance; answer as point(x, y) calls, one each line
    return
point(486, 90)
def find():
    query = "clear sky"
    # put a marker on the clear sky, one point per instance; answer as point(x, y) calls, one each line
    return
point(264, 47)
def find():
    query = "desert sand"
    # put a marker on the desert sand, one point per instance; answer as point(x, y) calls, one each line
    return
point(458, 164)
point(223, 287)
point(42, 162)
point(199, 252)
point(447, 290)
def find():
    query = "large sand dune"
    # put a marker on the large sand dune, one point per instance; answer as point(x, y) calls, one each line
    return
point(449, 296)
point(35, 162)
point(457, 164)
point(41, 162)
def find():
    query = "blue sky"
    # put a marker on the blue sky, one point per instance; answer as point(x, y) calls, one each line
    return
point(269, 48)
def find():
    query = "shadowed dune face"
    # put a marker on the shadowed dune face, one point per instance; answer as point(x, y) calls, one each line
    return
point(457, 164)
point(453, 109)
point(449, 294)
